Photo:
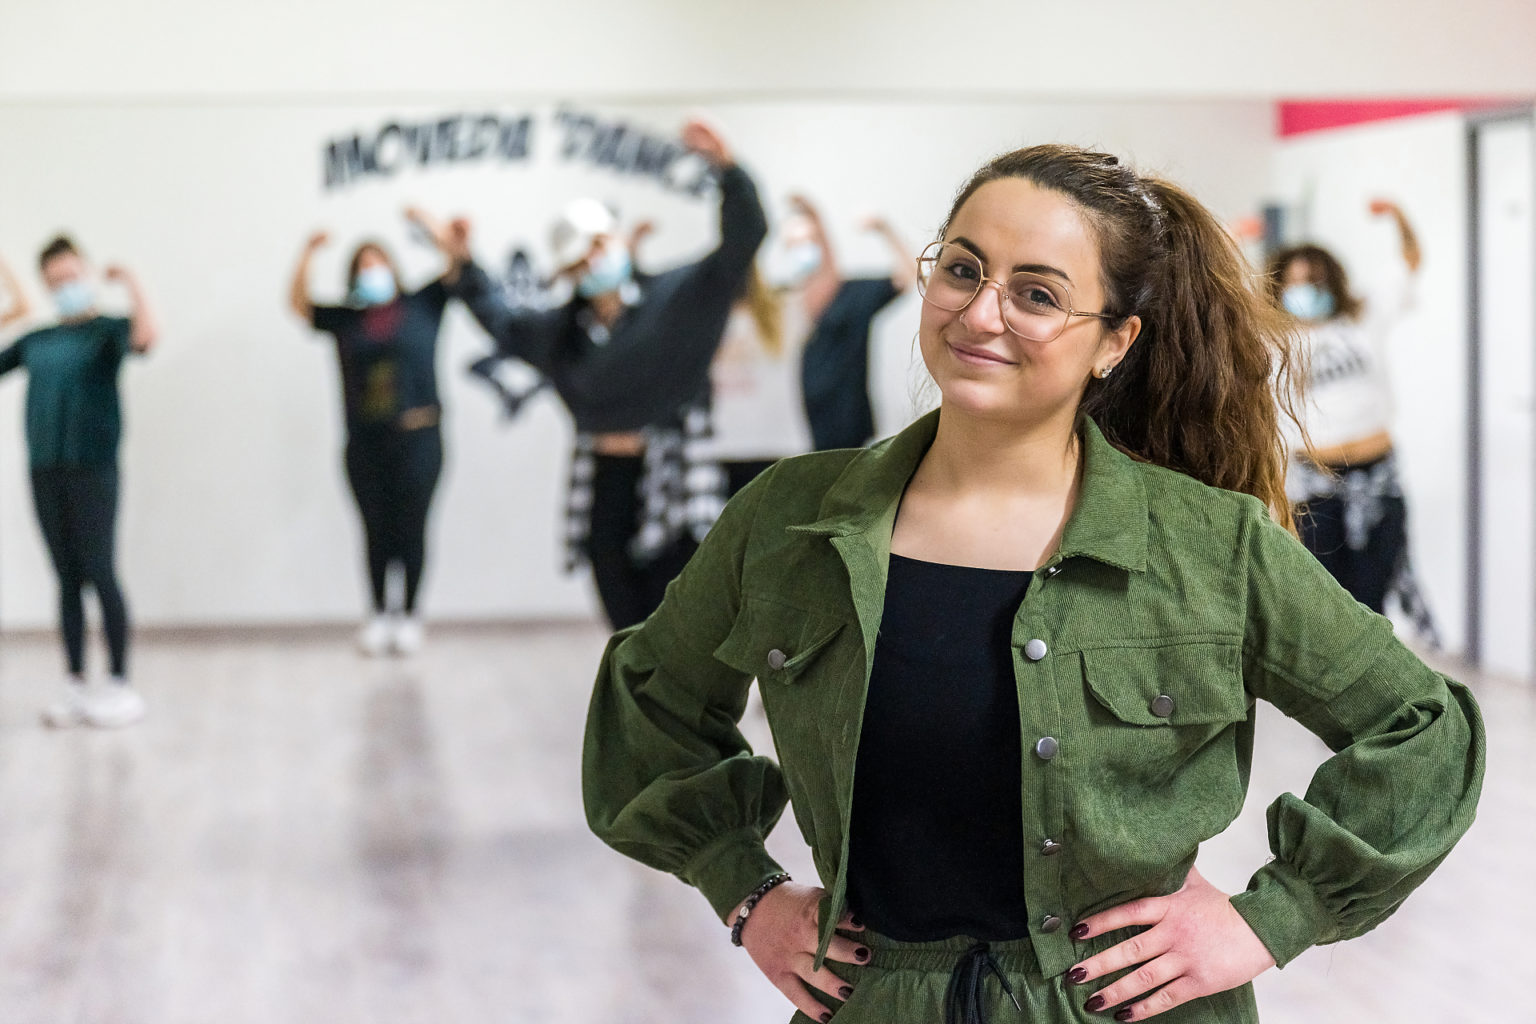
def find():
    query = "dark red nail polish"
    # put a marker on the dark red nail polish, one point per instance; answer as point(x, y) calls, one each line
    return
point(845, 993)
point(855, 921)
point(826, 1018)
point(1077, 975)
point(1123, 1014)
point(1080, 932)
point(861, 953)
point(1094, 1005)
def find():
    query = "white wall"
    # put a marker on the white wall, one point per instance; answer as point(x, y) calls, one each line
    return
point(1329, 177)
point(235, 510)
point(685, 48)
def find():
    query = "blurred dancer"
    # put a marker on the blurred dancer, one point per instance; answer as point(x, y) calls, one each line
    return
point(386, 345)
point(74, 426)
point(629, 356)
point(1351, 512)
point(834, 369)
point(756, 417)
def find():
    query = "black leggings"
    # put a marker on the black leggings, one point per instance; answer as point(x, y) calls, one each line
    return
point(77, 509)
point(1367, 573)
point(393, 474)
point(629, 592)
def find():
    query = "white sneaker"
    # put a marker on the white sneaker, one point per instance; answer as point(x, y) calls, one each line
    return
point(113, 705)
point(374, 638)
point(68, 708)
point(408, 634)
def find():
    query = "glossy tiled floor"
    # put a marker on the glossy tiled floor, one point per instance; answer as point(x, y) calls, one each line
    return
point(298, 835)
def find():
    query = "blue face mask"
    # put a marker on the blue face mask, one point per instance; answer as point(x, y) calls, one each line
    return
point(1307, 302)
point(73, 298)
point(375, 286)
point(606, 273)
point(799, 262)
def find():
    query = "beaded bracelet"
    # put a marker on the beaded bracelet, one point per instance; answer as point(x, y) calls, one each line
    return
point(772, 883)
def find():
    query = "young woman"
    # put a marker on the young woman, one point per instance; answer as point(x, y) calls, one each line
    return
point(1010, 656)
point(629, 356)
point(74, 426)
point(386, 344)
point(1351, 510)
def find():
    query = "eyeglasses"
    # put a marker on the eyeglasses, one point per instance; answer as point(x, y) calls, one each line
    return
point(1035, 308)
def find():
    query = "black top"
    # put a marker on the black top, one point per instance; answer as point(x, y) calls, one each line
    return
point(834, 371)
point(388, 355)
point(937, 837)
point(655, 358)
point(74, 415)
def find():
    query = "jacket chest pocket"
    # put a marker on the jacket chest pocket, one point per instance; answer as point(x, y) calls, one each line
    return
point(1165, 713)
point(777, 643)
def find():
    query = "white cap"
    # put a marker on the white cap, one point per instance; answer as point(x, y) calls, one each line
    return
point(580, 223)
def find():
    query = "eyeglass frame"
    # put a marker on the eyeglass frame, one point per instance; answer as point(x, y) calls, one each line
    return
point(1002, 293)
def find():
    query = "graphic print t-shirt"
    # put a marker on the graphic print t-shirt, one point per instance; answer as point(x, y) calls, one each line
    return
point(387, 354)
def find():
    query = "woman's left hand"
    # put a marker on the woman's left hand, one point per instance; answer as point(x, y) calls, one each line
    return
point(1197, 945)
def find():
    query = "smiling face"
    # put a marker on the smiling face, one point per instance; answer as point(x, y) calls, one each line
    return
point(981, 367)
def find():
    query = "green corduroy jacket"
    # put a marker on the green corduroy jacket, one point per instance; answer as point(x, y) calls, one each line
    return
point(1140, 647)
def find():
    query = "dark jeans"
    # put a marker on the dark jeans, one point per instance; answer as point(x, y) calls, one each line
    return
point(394, 474)
point(1366, 574)
point(77, 509)
point(629, 592)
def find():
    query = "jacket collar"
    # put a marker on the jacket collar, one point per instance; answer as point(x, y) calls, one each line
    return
point(1109, 524)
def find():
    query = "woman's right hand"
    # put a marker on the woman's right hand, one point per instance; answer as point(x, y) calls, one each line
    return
point(781, 936)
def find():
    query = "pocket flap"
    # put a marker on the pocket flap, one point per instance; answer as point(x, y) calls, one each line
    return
point(1173, 684)
point(774, 641)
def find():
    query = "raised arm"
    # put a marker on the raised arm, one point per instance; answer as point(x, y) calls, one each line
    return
point(11, 288)
point(743, 225)
point(146, 326)
point(818, 290)
point(903, 266)
point(298, 288)
point(529, 335)
point(1408, 239)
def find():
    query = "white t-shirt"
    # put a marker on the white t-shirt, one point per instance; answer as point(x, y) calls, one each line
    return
point(1349, 391)
point(758, 411)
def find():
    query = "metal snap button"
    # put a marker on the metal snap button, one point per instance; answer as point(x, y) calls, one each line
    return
point(1162, 705)
point(777, 659)
point(1035, 650)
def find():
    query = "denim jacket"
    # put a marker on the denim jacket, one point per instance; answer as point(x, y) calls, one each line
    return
point(1139, 647)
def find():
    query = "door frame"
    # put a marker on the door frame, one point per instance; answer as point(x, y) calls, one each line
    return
point(1475, 483)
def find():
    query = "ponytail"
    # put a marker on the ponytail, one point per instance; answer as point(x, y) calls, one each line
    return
point(1205, 386)
point(1215, 367)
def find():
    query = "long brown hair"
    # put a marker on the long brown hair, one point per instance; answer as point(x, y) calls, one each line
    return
point(1335, 281)
point(355, 265)
point(1214, 367)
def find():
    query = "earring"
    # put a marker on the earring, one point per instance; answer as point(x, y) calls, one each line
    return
point(1105, 372)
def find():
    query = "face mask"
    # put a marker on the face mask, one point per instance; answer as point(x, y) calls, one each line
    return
point(606, 273)
point(797, 263)
point(73, 298)
point(375, 286)
point(1307, 302)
